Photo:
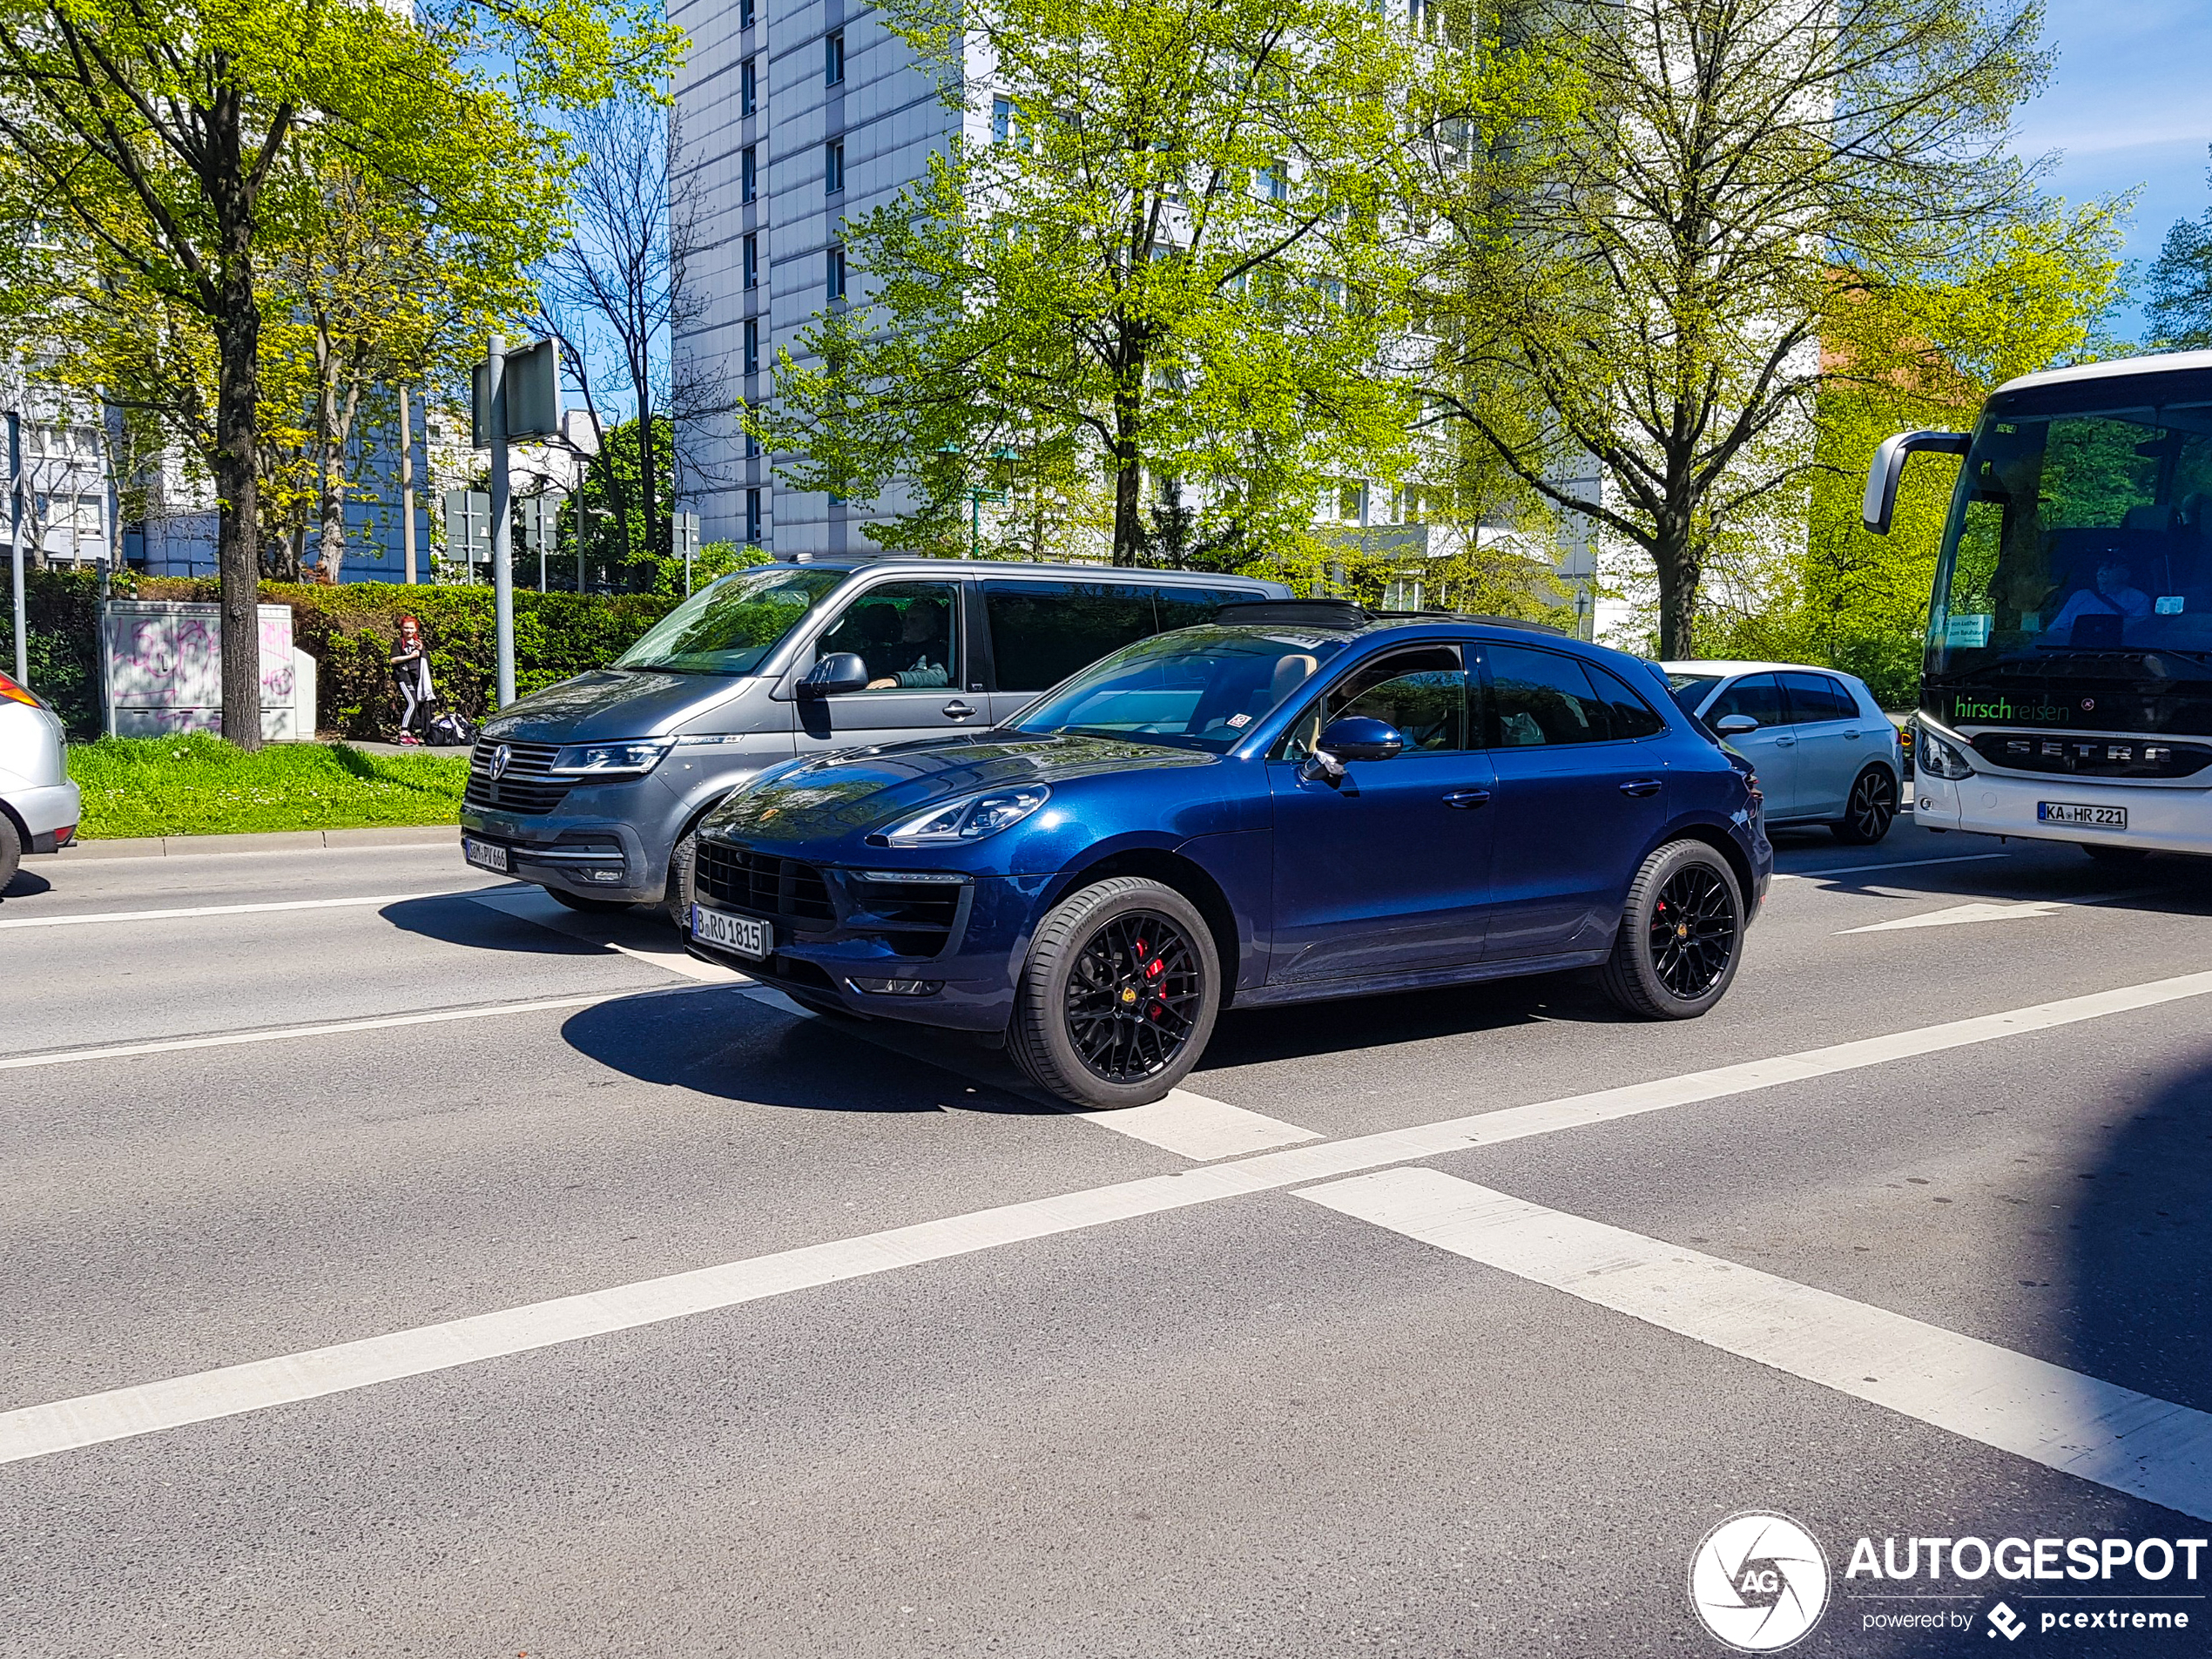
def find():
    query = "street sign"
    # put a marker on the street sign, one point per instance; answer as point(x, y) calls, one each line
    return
point(467, 517)
point(532, 379)
point(686, 526)
point(539, 517)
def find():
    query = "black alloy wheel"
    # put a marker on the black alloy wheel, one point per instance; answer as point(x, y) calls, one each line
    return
point(1133, 997)
point(1693, 933)
point(1117, 997)
point(1681, 934)
point(1871, 810)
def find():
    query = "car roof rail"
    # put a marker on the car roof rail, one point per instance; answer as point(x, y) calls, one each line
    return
point(1485, 617)
point(1294, 613)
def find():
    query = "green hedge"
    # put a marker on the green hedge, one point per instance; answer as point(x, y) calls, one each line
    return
point(62, 607)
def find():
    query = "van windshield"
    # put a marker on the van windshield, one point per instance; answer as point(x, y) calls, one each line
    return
point(728, 628)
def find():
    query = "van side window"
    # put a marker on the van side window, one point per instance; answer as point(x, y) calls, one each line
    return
point(907, 632)
point(1044, 631)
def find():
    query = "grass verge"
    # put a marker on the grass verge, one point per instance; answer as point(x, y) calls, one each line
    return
point(201, 785)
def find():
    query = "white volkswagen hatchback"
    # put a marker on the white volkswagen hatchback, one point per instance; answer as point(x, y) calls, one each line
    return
point(1824, 751)
point(38, 801)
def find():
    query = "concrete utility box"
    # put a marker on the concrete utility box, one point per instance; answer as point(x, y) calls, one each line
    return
point(162, 673)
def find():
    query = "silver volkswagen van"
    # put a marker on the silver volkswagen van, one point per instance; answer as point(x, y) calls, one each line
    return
point(592, 788)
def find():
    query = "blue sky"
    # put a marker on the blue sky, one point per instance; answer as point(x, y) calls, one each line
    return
point(2129, 102)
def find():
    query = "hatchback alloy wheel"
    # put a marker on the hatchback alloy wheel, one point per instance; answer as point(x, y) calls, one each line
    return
point(1871, 810)
point(1133, 997)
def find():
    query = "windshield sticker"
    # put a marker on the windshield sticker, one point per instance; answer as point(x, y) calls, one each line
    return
point(1971, 630)
point(1240, 721)
point(2169, 604)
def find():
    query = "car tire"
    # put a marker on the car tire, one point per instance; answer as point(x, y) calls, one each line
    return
point(1868, 809)
point(1681, 934)
point(589, 907)
point(1114, 968)
point(2104, 854)
point(683, 858)
point(11, 850)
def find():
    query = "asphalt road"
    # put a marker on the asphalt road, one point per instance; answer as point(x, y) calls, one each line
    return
point(407, 1267)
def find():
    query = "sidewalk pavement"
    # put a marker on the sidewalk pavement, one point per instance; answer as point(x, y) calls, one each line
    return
point(156, 847)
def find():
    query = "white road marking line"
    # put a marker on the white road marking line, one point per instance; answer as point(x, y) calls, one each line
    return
point(533, 904)
point(1199, 1127)
point(1908, 864)
point(143, 1408)
point(279, 1034)
point(2077, 1424)
point(2027, 910)
point(225, 909)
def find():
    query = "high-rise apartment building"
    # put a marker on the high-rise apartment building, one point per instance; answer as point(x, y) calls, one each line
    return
point(795, 115)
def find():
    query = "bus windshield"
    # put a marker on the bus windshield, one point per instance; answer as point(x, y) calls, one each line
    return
point(728, 628)
point(2079, 532)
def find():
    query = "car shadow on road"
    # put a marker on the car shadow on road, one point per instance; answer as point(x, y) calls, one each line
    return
point(457, 919)
point(717, 1041)
point(24, 885)
point(1309, 1030)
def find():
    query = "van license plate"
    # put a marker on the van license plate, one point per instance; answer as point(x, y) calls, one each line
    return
point(485, 855)
point(745, 934)
point(2059, 812)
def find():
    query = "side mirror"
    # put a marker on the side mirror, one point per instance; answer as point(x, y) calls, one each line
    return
point(1888, 466)
point(1735, 725)
point(836, 674)
point(1354, 739)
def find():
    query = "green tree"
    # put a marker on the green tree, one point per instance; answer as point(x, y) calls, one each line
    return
point(163, 133)
point(1171, 263)
point(2179, 300)
point(1656, 273)
point(606, 513)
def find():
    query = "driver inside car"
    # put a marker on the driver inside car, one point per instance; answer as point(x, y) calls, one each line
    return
point(918, 658)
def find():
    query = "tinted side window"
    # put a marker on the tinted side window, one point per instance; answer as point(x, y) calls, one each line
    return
point(1044, 631)
point(907, 632)
point(1632, 716)
point(1188, 607)
point(1423, 692)
point(1756, 695)
point(1543, 698)
point(1815, 696)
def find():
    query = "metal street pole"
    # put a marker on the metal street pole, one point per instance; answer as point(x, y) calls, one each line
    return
point(502, 573)
point(15, 546)
point(407, 484)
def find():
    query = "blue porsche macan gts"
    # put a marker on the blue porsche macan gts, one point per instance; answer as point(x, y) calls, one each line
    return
point(1303, 800)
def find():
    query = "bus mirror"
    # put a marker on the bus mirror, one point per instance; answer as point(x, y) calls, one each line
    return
point(1888, 466)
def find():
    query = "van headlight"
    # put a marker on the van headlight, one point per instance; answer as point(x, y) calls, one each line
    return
point(1940, 756)
point(610, 759)
point(970, 819)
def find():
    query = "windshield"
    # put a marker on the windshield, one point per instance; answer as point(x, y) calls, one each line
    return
point(1199, 688)
point(1690, 690)
point(728, 628)
point(2079, 532)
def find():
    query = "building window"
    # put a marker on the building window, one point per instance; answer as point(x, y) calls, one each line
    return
point(1275, 181)
point(745, 14)
point(752, 259)
point(748, 87)
point(1002, 120)
point(833, 167)
point(752, 446)
point(753, 515)
point(837, 273)
point(752, 345)
point(748, 173)
point(833, 58)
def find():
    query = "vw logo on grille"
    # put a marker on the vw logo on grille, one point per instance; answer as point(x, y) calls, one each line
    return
point(499, 758)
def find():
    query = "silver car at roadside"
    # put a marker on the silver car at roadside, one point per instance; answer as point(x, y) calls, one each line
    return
point(38, 803)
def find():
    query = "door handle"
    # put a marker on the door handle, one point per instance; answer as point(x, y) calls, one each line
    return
point(1467, 799)
point(957, 709)
point(1785, 742)
point(1637, 788)
point(1853, 736)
